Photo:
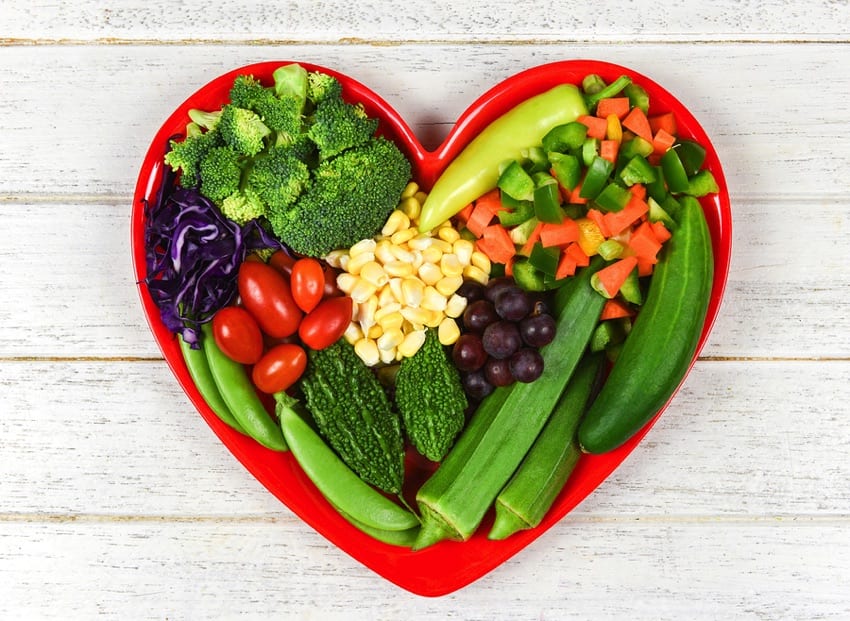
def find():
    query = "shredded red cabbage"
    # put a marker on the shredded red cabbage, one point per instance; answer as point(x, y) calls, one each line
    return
point(193, 255)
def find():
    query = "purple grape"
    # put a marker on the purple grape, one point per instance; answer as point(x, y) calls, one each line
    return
point(476, 385)
point(468, 352)
point(501, 339)
point(537, 330)
point(496, 285)
point(513, 304)
point(479, 315)
point(526, 365)
point(471, 290)
point(498, 372)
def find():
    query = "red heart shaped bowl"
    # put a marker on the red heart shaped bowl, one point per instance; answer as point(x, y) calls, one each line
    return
point(449, 565)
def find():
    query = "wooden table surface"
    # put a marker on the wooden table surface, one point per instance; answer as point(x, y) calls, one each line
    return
point(116, 499)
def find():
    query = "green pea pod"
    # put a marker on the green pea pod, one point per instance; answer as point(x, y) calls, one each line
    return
point(199, 370)
point(475, 170)
point(240, 396)
point(528, 496)
point(401, 538)
point(353, 497)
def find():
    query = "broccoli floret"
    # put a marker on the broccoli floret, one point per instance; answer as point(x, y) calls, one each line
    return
point(348, 199)
point(186, 155)
point(321, 86)
point(278, 177)
point(291, 80)
point(281, 114)
point(430, 398)
point(207, 120)
point(242, 129)
point(242, 206)
point(337, 126)
point(221, 171)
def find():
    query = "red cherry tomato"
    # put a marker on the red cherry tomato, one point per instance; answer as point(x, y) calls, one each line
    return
point(331, 288)
point(279, 368)
point(327, 323)
point(282, 261)
point(237, 334)
point(308, 283)
point(266, 294)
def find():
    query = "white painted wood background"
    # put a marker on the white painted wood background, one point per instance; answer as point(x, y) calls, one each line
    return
point(116, 500)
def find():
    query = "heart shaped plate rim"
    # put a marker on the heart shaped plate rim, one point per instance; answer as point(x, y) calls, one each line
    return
point(447, 566)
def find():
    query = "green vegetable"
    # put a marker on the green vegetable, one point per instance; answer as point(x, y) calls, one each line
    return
point(221, 172)
point(338, 125)
point(357, 501)
point(430, 398)
point(199, 371)
point(242, 129)
point(278, 177)
point(547, 198)
point(186, 155)
point(353, 413)
point(658, 351)
point(349, 199)
point(239, 395)
point(280, 108)
point(456, 497)
point(515, 182)
point(596, 178)
point(476, 169)
point(528, 496)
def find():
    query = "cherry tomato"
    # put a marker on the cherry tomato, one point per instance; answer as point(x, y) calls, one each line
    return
point(279, 368)
point(331, 288)
point(282, 261)
point(237, 334)
point(308, 283)
point(266, 294)
point(326, 324)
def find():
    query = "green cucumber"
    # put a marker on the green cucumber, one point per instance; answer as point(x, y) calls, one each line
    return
point(528, 496)
point(657, 353)
point(454, 500)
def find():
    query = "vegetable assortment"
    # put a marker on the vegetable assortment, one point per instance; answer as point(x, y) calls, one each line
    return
point(543, 300)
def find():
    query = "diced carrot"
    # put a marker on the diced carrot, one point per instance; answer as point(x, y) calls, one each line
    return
point(612, 276)
point(578, 255)
point(645, 266)
point(599, 218)
point(618, 106)
point(559, 234)
point(662, 141)
point(463, 214)
point(644, 243)
point(497, 244)
point(665, 121)
point(574, 197)
point(661, 232)
point(596, 127)
point(638, 190)
point(532, 239)
point(509, 266)
point(619, 221)
point(615, 309)
point(637, 122)
point(608, 150)
point(492, 201)
point(566, 266)
point(480, 218)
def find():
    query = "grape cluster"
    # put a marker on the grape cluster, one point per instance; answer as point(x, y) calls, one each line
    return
point(503, 327)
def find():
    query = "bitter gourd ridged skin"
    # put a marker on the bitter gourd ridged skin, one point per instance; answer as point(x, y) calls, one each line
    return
point(354, 415)
point(430, 398)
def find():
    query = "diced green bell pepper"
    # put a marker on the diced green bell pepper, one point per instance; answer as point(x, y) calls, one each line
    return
point(544, 259)
point(547, 198)
point(691, 154)
point(613, 197)
point(702, 183)
point(516, 182)
point(596, 178)
point(565, 138)
point(674, 172)
point(567, 169)
point(637, 170)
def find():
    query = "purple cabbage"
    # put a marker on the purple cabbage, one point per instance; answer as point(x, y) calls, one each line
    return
point(193, 254)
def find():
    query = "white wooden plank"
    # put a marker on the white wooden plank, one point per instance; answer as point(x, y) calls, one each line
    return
point(632, 569)
point(75, 294)
point(742, 439)
point(763, 122)
point(336, 21)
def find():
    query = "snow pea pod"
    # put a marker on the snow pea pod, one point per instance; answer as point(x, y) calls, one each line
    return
point(476, 169)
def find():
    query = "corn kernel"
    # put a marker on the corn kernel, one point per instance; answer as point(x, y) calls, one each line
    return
point(346, 282)
point(416, 316)
point(399, 269)
point(410, 189)
point(334, 258)
point(353, 333)
point(356, 263)
point(455, 306)
point(365, 313)
point(448, 331)
point(388, 356)
point(367, 351)
point(447, 285)
point(473, 272)
point(434, 319)
point(411, 207)
point(420, 196)
point(373, 273)
point(481, 261)
point(412, 291)
point(397, 221)
point(433, 300)
point(395, 286)
point(386, 296)
point(463, 249)
point(442, 244)
point(391, 321)
point(402, 254)
point(420, 242)
point(412, 342)
point(386, 309)
point(399, 238)
point(390, 339)
point(364, 245)
point(450, 265)
point(375, 332)
point(432, 254)
point(383, 253)
point(362, 291)
point(430, 273)
point(448, 234)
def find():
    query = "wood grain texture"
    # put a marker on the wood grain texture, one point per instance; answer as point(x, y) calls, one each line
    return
point(116, 499)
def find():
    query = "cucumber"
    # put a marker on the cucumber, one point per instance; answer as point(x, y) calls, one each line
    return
point(454, 500)
point(528, 496)
point(657, 353)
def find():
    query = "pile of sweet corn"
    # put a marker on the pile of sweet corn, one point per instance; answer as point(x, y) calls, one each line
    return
point(404, 281)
